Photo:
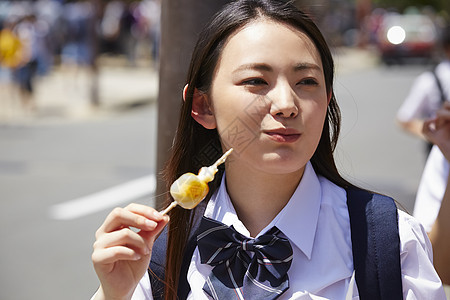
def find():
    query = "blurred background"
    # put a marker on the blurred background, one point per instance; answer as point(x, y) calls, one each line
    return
point(85, 106)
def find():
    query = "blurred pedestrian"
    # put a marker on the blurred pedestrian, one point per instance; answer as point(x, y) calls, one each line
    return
point(11, 57)
point(151, 9)
point(261, 82)
point(77, 51)
point(110, 25)
point(25, 72)
point(11, 48)
point(432, 206)
point(146, 28)
point(127, 38)
point(427, 94)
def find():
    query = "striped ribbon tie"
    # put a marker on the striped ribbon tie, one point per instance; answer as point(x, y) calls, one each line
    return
point(243, 268)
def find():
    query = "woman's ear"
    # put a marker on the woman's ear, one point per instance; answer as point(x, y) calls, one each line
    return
point(329, 95)
point(201, 109)
point(185, 91)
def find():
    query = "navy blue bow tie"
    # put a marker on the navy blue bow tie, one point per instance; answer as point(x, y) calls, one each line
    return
point(243, 268)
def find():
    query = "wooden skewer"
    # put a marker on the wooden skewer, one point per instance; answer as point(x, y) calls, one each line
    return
point(169, 208)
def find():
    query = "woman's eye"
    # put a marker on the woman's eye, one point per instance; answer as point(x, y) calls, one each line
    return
point(309, 81)
point(254, 81)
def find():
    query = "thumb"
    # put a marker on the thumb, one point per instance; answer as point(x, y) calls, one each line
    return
point(429, 128)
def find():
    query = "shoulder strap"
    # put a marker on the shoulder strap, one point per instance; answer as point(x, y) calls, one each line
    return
point(183, 285)
point(157, 265)
point(375, 245)
point(158, 260)
point(439, 85)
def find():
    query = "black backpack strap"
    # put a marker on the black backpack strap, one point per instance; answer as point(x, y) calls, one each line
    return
point(439, 85)
point(157, 266)
point(158, 260)
point(429, 145)
point(183, 285)
point(375, 245)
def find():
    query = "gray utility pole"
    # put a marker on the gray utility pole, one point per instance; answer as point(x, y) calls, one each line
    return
point(181, 22)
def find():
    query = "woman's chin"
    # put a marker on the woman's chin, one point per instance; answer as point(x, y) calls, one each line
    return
point(281, 163)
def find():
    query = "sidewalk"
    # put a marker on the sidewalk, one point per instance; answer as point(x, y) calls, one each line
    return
point(348, 60)
point(64, 94)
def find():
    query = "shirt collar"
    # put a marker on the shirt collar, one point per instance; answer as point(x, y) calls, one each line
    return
point(297, 220)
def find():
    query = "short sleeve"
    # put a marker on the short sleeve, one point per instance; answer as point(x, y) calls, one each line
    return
point(419, 278)
point(422, 100)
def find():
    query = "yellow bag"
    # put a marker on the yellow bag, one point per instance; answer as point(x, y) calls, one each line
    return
point(11, 49)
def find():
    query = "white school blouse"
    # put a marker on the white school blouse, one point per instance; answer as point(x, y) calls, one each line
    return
point(316, 222)
point(431, 188)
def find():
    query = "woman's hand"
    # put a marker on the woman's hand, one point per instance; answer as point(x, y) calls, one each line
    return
point(121, 255)
point(437, 130)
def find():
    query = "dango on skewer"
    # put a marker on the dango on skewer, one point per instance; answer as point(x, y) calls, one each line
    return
point(190, 189)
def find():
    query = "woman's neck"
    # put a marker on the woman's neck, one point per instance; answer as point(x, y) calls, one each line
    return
point(258, 197)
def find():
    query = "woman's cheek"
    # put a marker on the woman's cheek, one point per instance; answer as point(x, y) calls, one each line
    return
point(237, 132)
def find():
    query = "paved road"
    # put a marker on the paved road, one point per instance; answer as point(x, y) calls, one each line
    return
point(46, 164)
point(43, 165)
point(374, 152)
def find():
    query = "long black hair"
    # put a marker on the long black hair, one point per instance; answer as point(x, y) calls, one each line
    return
point(195, 146)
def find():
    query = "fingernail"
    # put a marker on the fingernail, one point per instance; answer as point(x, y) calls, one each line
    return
point(150, 224)
point(137, 256)
point(157, 214)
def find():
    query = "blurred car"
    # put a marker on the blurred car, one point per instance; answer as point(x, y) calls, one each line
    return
point(406, 36)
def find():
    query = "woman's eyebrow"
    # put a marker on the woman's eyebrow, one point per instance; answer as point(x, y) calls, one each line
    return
point(267, 68)
point(254, 66)
point(306, 66)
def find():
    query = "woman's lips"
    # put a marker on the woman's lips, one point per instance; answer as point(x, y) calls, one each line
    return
point(283, 136)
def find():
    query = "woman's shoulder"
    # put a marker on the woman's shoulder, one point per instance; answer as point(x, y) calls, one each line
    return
point(443, 68)
point(406, 218)
point(331, 192)
point(412, 234)
point(333, 199)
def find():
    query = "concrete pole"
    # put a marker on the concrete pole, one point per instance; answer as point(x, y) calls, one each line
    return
point(181, 21)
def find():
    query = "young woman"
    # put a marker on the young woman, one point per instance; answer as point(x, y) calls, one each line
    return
point(260, 82)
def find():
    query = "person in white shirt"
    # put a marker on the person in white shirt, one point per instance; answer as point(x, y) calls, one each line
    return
point(425, 99)
point(260, 82)
point(427, 93)
point(432, 206)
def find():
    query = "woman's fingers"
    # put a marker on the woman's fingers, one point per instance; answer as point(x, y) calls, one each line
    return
point(439, 123)
point(123, 237)
point(134, 215)
point(443, 116)
point(429, 126)
point(114, 254)
point(121, 253)
point(115, 240)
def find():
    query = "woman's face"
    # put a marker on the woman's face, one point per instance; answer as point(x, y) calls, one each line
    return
point(269, 98)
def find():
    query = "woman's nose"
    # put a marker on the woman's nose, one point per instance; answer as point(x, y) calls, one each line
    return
point(283, 102)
